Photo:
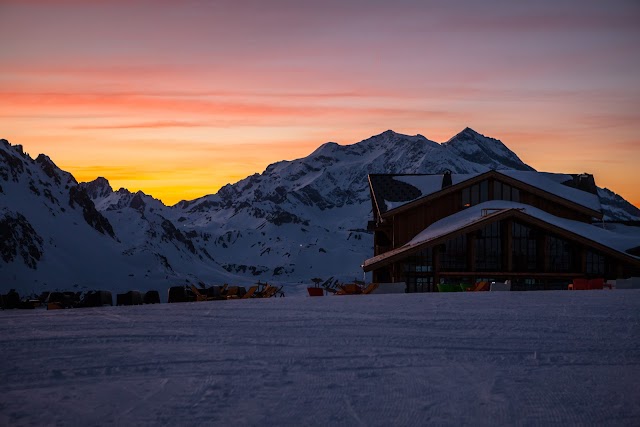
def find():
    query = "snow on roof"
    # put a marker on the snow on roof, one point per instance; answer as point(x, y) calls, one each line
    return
point(554, 184)
point(616, 241)
point(391, 190)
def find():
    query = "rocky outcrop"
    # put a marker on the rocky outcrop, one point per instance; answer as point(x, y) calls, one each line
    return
point(79, 197)
point(18, 239)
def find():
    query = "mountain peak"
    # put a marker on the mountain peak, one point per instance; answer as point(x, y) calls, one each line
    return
point(393, 136)
point(491, 152)
point(467, 133)
point(97, 188)
point(53, 171)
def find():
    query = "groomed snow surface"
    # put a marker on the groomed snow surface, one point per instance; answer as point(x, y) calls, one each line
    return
point(503, 358)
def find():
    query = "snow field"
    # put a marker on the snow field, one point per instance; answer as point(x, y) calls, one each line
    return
point(504, 358)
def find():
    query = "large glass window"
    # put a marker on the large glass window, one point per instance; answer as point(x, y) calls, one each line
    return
point(418, 271)
point(489, 248)
point(505, 192)
point(475, 194)
point(560, 255)
point(420, 262)
point(454, 255)
point(525, 256)
point(596, 263)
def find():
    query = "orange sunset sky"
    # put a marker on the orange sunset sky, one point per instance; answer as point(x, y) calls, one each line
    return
point(177, 98)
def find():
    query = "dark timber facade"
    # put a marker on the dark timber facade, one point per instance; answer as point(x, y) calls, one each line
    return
point(491, 226)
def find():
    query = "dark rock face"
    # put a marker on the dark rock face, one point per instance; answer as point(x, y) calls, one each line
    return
point(137, 203)
point(11, 166)
point(49, 168)
point(19, 239)
point(280, 217)
point(77, 196)
point(97, 188)
point(204, 206)
point(241, 268)
point(170, 232)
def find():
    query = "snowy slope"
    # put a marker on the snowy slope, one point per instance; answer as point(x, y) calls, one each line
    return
point(475, 358)
point(297, 220)
point(616, 208)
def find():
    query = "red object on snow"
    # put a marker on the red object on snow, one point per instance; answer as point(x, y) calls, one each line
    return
point(315, 292)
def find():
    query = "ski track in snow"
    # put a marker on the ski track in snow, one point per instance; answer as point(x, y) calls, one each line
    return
point(505, 358)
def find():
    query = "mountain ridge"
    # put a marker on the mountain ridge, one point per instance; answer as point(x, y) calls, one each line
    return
point(296, 220)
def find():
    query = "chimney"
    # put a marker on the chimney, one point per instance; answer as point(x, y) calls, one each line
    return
point(446, 179)
point(585, 182)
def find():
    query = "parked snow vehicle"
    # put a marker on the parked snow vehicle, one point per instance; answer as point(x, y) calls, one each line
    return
point(30, 303)
point(151, 297)
point(60, 300)
point(129, 298)
point(181, 294)
point(11, 299)
point(177, 294)
point(97, 299)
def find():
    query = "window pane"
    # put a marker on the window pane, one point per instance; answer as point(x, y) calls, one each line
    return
point(515, 195)
point(506, 192)
point(466, 201)
point(489, 248)
point(497, 190)
point(484, 191)
point(475, 194)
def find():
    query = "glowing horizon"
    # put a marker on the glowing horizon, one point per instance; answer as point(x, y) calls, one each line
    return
point(179, 99)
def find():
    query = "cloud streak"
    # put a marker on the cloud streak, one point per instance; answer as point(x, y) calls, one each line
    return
point(144, 125)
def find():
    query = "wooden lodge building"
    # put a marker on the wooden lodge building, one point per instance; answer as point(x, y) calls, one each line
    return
point(538, 230)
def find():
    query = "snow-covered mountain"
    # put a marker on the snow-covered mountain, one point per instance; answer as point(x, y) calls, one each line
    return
point(52, 236)
point(297, 220)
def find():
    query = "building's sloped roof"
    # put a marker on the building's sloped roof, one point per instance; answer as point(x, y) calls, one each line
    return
point(621, 242)
point(556, 183)
point(393, 191)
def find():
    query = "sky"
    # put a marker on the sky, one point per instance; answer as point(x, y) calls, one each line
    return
point(178, 98)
